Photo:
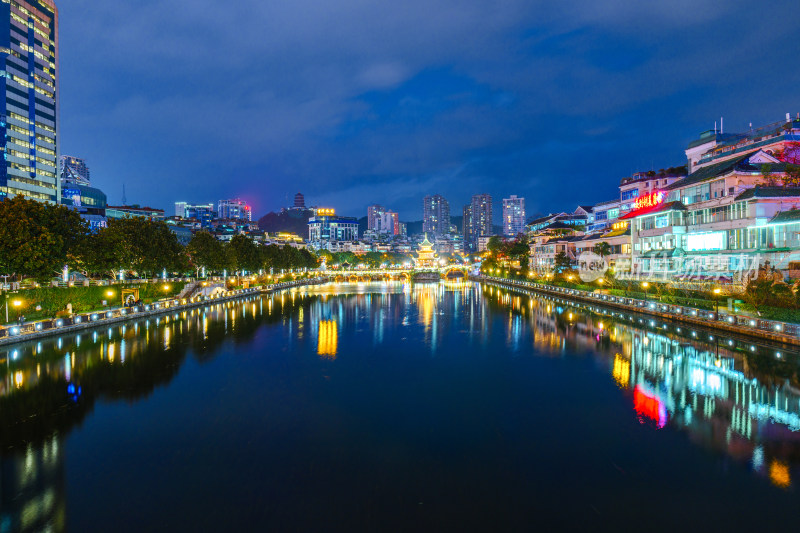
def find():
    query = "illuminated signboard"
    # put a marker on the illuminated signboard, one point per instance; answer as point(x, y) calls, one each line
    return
point(649, 200)
point(716, 240)
point(324, 211)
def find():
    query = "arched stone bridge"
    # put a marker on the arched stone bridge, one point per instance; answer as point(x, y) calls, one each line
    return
point(449, 272)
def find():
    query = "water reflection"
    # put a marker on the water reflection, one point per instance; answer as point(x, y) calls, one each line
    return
point(727, 394)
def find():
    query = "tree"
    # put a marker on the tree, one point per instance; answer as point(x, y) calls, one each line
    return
point(245, 254)
point(144, 246)
point(205, 251)
point(562, 263)
point(603, 249)
point(38, 239)
point(495, 244)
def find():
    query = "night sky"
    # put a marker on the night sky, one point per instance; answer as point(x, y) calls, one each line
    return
point(356, 102)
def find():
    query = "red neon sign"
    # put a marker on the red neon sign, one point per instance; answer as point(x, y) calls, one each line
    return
point(649, 200)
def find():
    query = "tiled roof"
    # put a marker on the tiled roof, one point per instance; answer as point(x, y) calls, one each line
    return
point(769, 192)
point(792, 215)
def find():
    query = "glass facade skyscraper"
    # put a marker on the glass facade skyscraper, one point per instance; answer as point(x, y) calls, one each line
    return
point(29, 109)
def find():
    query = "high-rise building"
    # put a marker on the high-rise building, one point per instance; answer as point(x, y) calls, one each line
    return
point(435, 215)
point(180, 209)
point(374, 214)
point(513, 216)
point(29, 109)
point(389, 223)
point(466, 226)
point(73, 170)
point(234, 210)
point(481, 218)
point(299, 201)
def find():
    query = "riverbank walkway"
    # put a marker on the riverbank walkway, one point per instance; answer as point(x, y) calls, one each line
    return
point(27, 331)
point(772, 330)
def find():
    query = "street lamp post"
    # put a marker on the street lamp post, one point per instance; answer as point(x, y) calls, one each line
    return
point(716, 292)
point(645, 285)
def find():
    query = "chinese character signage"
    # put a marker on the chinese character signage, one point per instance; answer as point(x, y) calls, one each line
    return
point(649, 200)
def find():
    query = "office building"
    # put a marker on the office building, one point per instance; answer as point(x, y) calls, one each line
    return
point(235, 209)
point(29, 111)
point(374, 213)
point(435, 215)
point(73, 170)
point(325, 227)
point(513, 216)
point(481, 218)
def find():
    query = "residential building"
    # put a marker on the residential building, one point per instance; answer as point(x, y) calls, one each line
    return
point(466, 226)
point(481, 218)
point(389, 223)
point(513, 216)
point(326, 227)
point(435, 215)
point(29, 109)
point(374, 214)
point(235, 209)
point(73, 171)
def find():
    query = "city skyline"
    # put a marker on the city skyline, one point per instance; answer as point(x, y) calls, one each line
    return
point(424, 111)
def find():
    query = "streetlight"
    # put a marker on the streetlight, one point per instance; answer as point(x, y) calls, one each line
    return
point(716, 292)
point(645, 285)
point(16, 304)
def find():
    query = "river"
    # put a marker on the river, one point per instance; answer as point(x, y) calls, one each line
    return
point(390, 406)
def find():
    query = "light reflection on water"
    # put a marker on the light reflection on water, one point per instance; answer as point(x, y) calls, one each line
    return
point(728, 395)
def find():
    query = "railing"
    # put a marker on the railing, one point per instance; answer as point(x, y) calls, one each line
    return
point(747, 324)
point(21, 331)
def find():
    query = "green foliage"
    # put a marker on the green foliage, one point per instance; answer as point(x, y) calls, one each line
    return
point(143, 246)
point(205, 251)
point(562, 263)
point(38, 239)
point(603, 249)
point(53, 300)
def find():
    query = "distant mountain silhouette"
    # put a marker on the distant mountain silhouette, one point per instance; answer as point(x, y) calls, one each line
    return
point(291, 221)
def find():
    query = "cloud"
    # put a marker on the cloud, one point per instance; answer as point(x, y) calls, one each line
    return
point(361, 101)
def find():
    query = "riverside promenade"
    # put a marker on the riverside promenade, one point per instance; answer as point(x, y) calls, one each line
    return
point(722, 320)
point(82, 321)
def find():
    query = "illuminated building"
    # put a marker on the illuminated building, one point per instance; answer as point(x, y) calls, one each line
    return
point(426, 257)
point(716, 221)
point(389, 223)
point(466, 226)
point(513, 216)
point(299, 201)
point(73, 170)
point(374, 214)
point(234, 210)
point(435, 215)
point(29, 120)
point(203, 213)
point(325, 228)
point(481, 218)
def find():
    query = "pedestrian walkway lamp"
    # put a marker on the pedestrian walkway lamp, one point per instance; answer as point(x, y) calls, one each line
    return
point(645, 285)
point(716, 292)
